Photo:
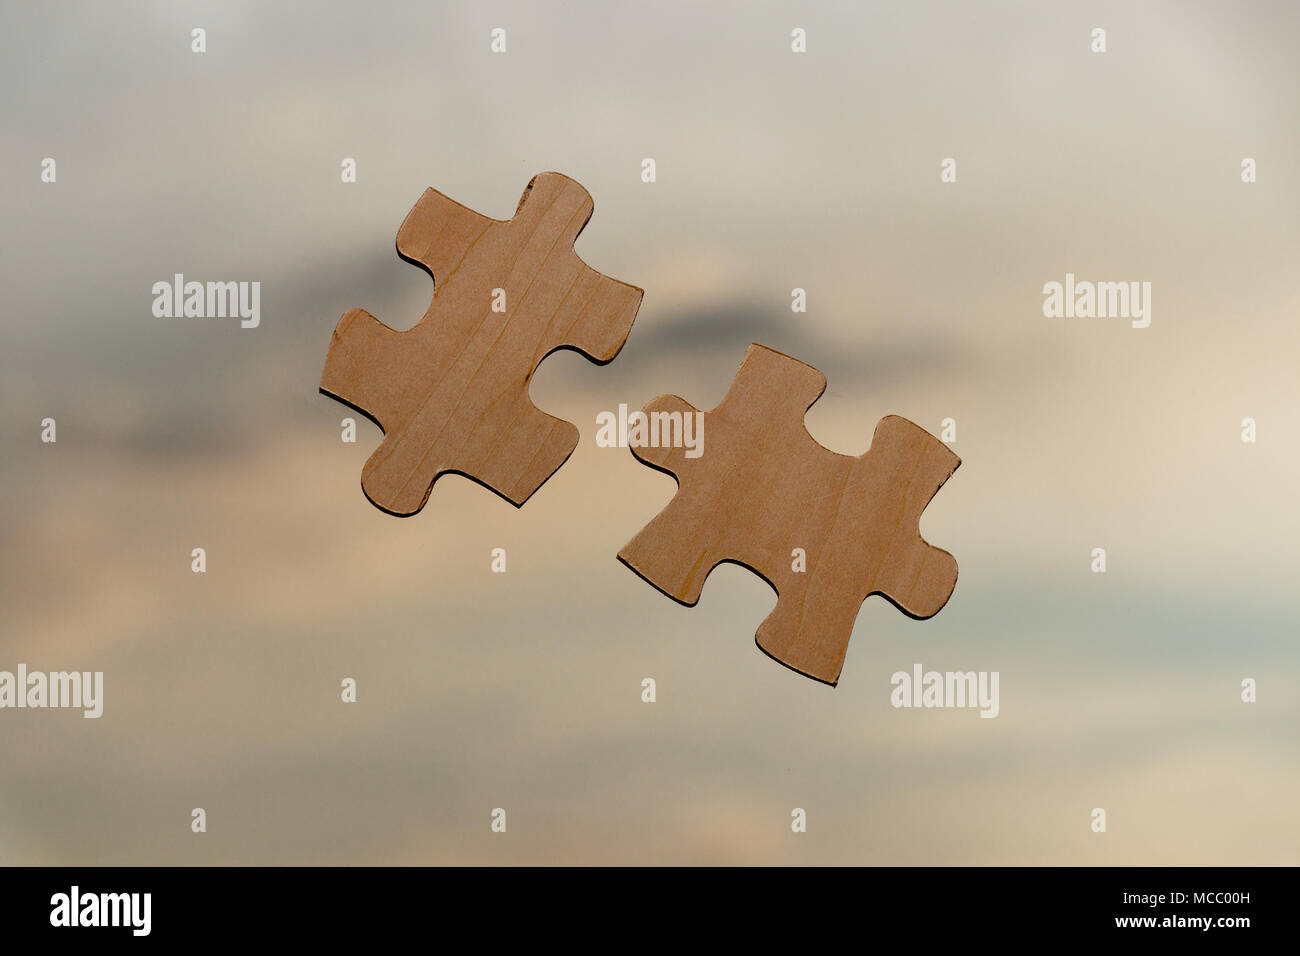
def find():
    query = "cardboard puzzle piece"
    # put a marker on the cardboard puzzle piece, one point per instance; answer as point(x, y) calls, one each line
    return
point(451, 393)
point(764, 487)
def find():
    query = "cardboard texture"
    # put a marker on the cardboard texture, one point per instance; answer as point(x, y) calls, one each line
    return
point(451, 393)
point(763, 487)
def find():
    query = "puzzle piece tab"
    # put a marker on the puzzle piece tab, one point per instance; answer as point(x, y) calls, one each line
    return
point(451, 393)
point(764, 487)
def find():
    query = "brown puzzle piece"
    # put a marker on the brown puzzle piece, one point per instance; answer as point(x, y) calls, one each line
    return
point(451, 393)
point(763, 486)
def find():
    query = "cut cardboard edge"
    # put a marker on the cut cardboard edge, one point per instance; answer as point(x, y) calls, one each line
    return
point(450, 471)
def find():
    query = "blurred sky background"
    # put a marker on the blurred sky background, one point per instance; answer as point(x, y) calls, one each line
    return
point(775, 170)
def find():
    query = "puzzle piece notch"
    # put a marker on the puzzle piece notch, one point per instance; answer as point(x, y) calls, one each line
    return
point(451, 393)
point(764, 486)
